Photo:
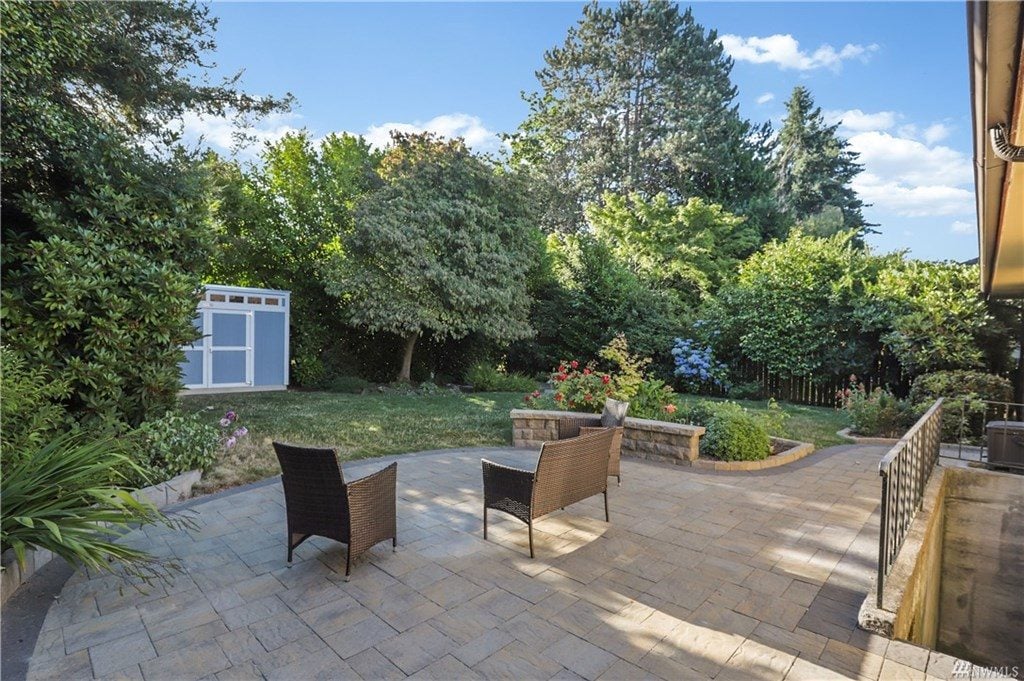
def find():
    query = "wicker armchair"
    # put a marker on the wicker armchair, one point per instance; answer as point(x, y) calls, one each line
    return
point(578, 424)
point(319, 501)
point(567, 471)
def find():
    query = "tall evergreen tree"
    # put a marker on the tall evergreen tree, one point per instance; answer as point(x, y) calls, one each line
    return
point(813, 168)
point(639, 100)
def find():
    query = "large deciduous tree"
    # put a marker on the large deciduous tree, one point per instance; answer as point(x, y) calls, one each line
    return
point(443, 248)
point(103, 213)
point(279, 223)
point(813, 168)
point(639, 100)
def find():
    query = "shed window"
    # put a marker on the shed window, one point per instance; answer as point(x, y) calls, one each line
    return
point(236, 299)
point(217, 298)
point(254, 301)
point(270, 301)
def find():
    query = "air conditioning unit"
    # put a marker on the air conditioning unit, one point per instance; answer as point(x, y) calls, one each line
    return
point(1005, 443)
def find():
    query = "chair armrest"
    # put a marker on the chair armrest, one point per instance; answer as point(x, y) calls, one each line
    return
point(371, 506)
point(508, 489)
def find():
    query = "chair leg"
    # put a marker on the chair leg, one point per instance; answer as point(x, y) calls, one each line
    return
point(618, 480)
point(485, 522)
point(606, 518)
point(394, 544)
point(530, 526)
point(348, 563)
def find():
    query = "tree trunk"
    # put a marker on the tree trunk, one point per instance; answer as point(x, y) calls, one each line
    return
point(405, 374)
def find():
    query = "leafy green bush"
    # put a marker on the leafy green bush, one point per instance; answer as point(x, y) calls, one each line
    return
point(735, 436)
point(70, 496)
point(750, 390)
point(173, 444)
point(346, 384)
point(878, 413)
point(31, 411)
point(486, 378)
point(654, 400)
point(964, 410)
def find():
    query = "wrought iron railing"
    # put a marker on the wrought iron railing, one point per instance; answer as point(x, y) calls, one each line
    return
point(965, 433)
point(905, 470)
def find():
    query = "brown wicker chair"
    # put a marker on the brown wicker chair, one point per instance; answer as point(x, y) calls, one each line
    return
point(568, 471)
point(319, 502)
point(576, 425)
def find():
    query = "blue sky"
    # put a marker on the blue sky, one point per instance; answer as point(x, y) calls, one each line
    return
point(896, 74)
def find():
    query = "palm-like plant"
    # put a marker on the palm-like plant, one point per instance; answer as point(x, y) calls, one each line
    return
point(70, 496)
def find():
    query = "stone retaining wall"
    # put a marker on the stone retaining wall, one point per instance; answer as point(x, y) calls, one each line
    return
point(641, 438)
point(178, 488)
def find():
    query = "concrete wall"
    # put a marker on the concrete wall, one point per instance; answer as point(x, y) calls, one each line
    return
point(981, 609)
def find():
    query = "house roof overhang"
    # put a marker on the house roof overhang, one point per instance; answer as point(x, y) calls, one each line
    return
point(994, 33)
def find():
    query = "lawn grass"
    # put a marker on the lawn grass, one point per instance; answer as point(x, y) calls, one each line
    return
point(362, 426)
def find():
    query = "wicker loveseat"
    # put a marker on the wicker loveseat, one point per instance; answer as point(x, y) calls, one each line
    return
point(568, 471)
point(320, 502)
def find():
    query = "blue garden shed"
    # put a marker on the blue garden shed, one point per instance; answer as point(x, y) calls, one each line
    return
point(244, 343)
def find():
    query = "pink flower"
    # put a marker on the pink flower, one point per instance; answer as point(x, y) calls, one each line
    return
point(606, 379)
point(241, 432)
point(224, 422)
point(231, 416)
point(587, 372)
point(535, 393)
point(670, 408)
point(230, 442)
point(561, 368)
point(574, 364)
point(562, 377)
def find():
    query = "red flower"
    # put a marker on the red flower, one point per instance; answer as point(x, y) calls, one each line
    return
point(561, 368)
point(606, 379)
point(574, 364)
point(536, 393)
point(527, 398)
point(586, 372)
point(559, 397)
point(670, 408)
point(571, 404)
point(561, 377)
point(588, 397)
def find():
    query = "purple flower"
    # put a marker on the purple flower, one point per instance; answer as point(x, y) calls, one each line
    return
point(241, 432)
point(224, 422)
point(231, 416)
point(230, 442)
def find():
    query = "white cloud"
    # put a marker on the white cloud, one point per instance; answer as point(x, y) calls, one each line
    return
point(784, 51)
point(935, 133)
point(766, 97)
point(911, 178)
point(470, 128)
point(855, 120)
point(220, 131)
point(962, 227)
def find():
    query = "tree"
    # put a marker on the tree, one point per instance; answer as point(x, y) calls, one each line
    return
point(103, 213)
point(279, 223)
point(638, 100)
point(813, 169)
point(690, 248)
point(443, 248)
point(796, 306)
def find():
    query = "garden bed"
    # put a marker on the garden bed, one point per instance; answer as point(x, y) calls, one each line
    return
point(677, 443)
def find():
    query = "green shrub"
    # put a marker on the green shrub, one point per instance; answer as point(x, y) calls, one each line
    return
point(654, 400)
point(735, 436)
point(878, 413)
point(174, 444)
point(486, 378)
point(751, 390)
point(31, 411)
point(70, 496)
point(964, 411)
point(346, 384)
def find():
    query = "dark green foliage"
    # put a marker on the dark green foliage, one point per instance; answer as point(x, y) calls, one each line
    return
point(486, 378)
point(813, 169)
point(102, 213)
point(880, 413)
point(173, 444)
point(751, 390)
point(735, 436)
point(638, 99)
point(346, 384)
point(279, 225)
point(963, 412)
point(31, 407)
point(443, 248)
point(590, 298)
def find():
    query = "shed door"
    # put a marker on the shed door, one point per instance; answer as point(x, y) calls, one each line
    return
point(229, 348)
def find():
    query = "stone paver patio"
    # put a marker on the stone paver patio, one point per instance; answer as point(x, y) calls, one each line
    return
point(699, 575)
